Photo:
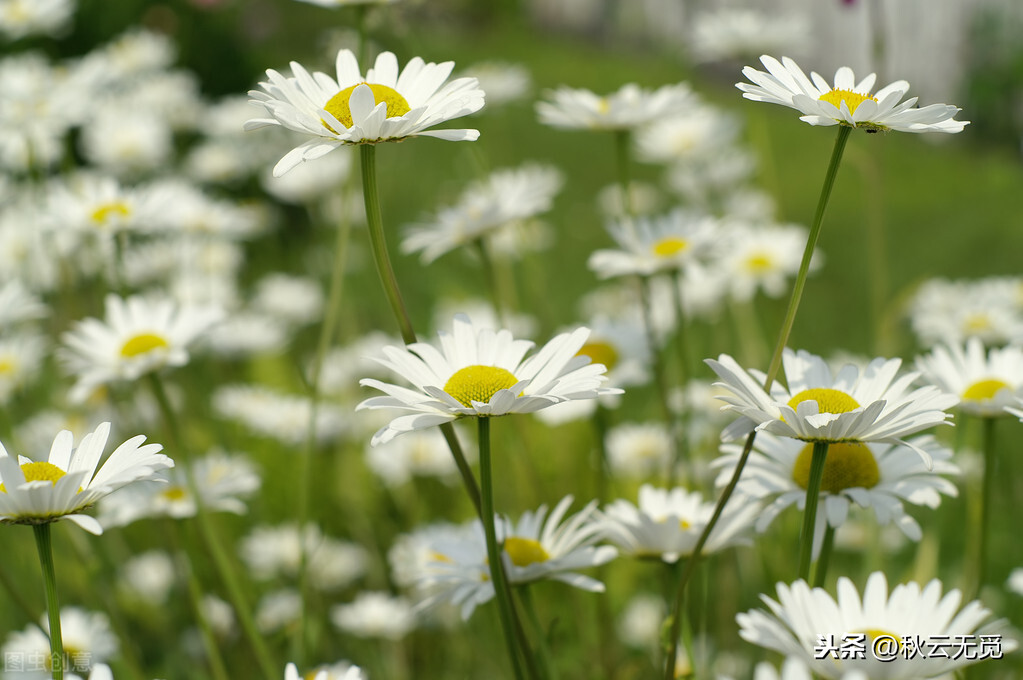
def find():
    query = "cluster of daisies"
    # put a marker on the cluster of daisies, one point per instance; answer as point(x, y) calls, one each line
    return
point(127, 280)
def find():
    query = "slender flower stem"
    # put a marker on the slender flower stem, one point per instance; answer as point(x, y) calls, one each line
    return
point(483, 248)
point(549, 671)
point(772, 373)
point(987, 489)
point(331, 314)
point(660, 375)
point(828, 544)
point(44, 545)
point(378, 243)
point(813, 495)
point(214, 544)
point(682, 347)
point(623, 143)
point(501, 592)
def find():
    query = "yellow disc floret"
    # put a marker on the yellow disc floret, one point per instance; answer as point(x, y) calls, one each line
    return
point(338, 107)
point(759, 263)
point(525, 551)
point(600, 352)
point(110, 211)
point(828, 400)
point(478, 383)
point(670, 246)
point(848, 466)
point(852, 99)
point(985, 390)
point(39, 472)
point(142, 343)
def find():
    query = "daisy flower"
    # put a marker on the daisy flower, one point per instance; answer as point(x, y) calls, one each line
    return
point(506, 196)
point(853, 406)
point(375, 615)
point(761, 258)
point(382, 106)
point(137, 336)
point(698, 132)
point(274, 552)
point(629, 107)
point(482, 373)
point(647, 246)
point(67, 482)
point(985, 382)
point(349, 672)
point(811, 624)
point(666, 523)
point(849, 102)
point(88, 641)
point(733, 32)
point(877, 476)
point(502, 81)
point(638, 450)
point(20, 18)
point(952, 311)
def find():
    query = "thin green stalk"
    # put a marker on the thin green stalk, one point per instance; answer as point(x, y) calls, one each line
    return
point(214, 545)
point(501, 592)
point(195, 594)
point(378, 243)
point(482, 248)
point(682, 346)
point(44, 544)
point(549, 671)
point(660, 376)
point(332, 313)
point(813, 495)
point(986, 492)
point(827, 546)
point(623, 149)
point(772, 373)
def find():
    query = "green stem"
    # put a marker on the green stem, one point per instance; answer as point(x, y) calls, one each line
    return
point(378, 244)
point(549, 672)
point(332, 313)
point(813, 495)
point(772, 373)
point(827, 546)
point(811, 244)
point(44, 545)
point(623, 144)
point(491, 273)
point(214, 545)
point(660, 376)
point(682, 345)
point(501, 592)
point(987, 489)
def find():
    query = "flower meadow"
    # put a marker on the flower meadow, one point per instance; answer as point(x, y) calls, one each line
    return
point(348, 339)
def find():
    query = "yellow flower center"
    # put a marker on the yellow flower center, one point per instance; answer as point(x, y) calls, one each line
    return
point(852, 99)
point(984, 390)
point(600, 352)
point(525, 551)
point(108, 211)
point(174, 493)
point(337, 106)
point(40, 472)
point(848, 466)
point(759, 263)
point(873, 634)
point(7, 365)
point(670, 245)
point(828, 400)
point(142, 343)
point(478, 383)
point(978, 323)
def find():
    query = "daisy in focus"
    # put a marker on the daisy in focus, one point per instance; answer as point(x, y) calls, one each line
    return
point(853, 406)
point(505, 197)
point(985, 381)
point(628, 108)
point(849, 102)
point(481, 372)
point(666, 523)
point(385, 105)
point(137, 337)
point(909, 614)
point(876, 476)
point(68, 482)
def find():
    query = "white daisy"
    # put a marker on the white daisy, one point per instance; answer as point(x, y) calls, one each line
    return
point(148, 577)
point(346, 672)
point(696, 133)
point(283, 417)
point(649, 245)
point(385, 105)
point(21, 357)
point(810, 624)
point(638, 450)
point(503, 82)
point(278, 610)
point(877, 476)
point(505, 197)
point(628, 108)
point(482, 373)
point(732, 32)
point(19, 18)
point(67, 482)
point(375, 615)
point(761, 257)
point(985, 382)
point(296, 300)
point(97, 204)
point(872, 405)
point(952, 311)
point(138, 336)
point(272, 552)
point(847, 103)
point(88, 641)
point(795, 668)
point(18, 304)
point(420, 454)
point(667, 523)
